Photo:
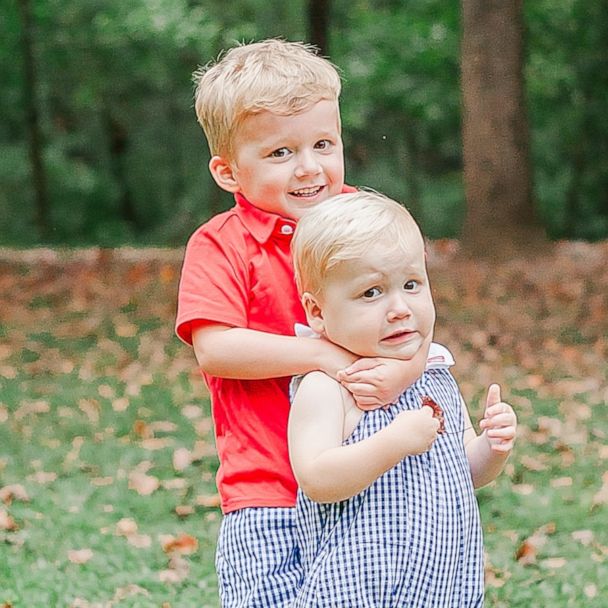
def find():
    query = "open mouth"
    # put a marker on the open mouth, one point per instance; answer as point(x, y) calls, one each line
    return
point(309, 192)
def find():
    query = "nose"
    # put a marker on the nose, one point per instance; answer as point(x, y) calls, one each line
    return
point(399, 308)
point(308, 164)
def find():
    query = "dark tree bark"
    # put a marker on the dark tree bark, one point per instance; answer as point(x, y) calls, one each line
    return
point(32, 117)
point(318, 24)
point(118, 144)
point(497, 174)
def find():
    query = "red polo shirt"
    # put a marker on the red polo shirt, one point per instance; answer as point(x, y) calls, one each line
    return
point(238, 271)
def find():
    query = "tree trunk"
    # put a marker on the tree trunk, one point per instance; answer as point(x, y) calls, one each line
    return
point(34, 133)
point(318, 24)
point(119, 143)
point(497, 176)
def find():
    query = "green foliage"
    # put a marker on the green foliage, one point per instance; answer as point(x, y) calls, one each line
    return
point(126, 160)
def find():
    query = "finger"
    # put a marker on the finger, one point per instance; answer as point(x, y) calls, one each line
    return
point(365, 377)
point(360, 389)
point(428, 411)
point(493, 397)
point(367, 401)
point(368, 406)
point(506, 433)
point(502, 447)
point(495, 418)
point(360, 365)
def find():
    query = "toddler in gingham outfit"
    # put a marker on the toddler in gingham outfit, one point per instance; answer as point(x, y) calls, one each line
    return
point(386, 514)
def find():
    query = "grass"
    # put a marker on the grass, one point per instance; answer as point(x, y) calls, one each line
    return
point(97, 398)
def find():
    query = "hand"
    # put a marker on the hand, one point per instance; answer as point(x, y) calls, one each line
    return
point(418, 429)
point(378, 382)
point(499, 422)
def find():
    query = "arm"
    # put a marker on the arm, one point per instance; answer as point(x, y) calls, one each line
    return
point(488, 452)
point(328, 471)
point(247, 354)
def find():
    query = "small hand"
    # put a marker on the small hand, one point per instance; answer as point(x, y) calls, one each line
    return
point(499, 422)
point(372, 382)
point(378, 382)
point(418, 428)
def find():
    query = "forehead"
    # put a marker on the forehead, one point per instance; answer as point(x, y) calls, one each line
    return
point(382, 260)
point(320, 117)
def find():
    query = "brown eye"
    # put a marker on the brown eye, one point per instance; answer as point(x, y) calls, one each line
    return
point(371, 293)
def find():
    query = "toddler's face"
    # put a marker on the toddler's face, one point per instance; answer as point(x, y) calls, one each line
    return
point(379, 305)
point(289, 164)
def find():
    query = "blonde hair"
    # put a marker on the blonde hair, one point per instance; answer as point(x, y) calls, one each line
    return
point(274, 75)
point(343, 228)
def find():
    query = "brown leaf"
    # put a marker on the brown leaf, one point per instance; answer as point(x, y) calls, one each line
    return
point(7, 522)
point(183, 544)
point(13, 492)
point(208, 500)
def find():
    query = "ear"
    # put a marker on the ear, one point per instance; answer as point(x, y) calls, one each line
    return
point(314, 312)
point(222, 172)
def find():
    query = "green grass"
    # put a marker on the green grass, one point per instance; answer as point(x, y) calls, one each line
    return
point(90, 393)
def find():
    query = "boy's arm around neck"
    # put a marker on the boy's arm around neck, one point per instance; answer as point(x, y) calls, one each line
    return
point(248, 354)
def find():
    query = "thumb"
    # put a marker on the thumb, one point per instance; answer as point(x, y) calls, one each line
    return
point(493, 395)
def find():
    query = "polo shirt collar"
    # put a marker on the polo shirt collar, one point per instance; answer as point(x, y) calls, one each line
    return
point(261, 224)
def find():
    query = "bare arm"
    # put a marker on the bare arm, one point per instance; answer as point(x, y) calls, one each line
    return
point(328, 471)
point(488, 452)
point(247, 354)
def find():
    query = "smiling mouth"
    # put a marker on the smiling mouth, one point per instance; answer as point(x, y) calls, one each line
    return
point(307, 192)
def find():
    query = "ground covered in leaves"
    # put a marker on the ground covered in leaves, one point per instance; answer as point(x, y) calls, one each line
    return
point(106, 450)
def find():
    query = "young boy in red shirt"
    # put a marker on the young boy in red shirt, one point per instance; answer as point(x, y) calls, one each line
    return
point(270, 113)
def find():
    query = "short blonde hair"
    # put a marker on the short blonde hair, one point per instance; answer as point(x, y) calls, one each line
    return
point(275, 75)
point(343, 228)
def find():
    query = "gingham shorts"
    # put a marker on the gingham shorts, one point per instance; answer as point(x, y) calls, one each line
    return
point(257, 559)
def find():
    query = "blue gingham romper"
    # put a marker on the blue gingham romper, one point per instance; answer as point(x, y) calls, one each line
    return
point(413, 538)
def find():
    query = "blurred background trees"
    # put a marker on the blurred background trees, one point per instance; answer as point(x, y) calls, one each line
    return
point(99, 142)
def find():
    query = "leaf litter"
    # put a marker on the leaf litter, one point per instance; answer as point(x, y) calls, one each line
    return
point(537, 327)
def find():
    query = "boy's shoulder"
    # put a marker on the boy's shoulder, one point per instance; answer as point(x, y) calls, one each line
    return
point(217, 223)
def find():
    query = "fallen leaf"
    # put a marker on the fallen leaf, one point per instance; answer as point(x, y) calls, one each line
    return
point(7, 522)
point(142, 483)
point(553, 563)
point(527, 551)
point(126, 526)
point(42, 477)
point(184, 510)
point(13, 492)
point(182, 459)
point(585, 537)
point(208, 500)
point(183, 544)
point(80, 556)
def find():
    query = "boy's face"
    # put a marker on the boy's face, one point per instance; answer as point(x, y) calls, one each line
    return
point(287, 164)
point(379, 305)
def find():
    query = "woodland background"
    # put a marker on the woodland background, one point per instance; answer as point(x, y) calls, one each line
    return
point(486, 118)
point(99, 144)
